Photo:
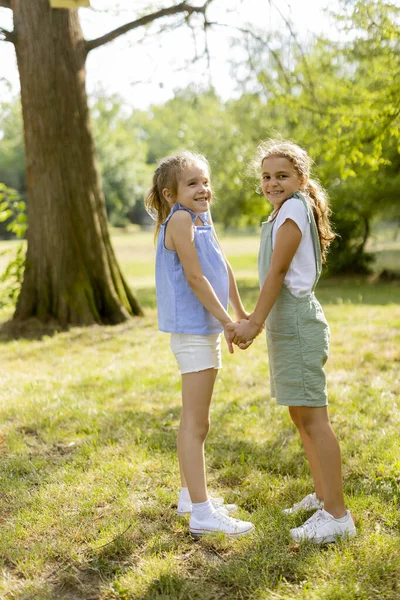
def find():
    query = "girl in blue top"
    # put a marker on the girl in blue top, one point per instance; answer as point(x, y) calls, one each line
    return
point(293, 245)
point(193, 284)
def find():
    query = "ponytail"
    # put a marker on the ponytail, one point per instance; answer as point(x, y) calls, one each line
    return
point(320, 207)
point(156, 205)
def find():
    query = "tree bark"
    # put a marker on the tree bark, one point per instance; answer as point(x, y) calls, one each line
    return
point(71, 272)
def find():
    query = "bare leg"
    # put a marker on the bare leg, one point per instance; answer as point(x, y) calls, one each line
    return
point(309, 450)
point(182, 475)
point(325, 452)
point(197, 389)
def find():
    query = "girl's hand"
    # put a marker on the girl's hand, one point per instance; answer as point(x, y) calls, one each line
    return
point(229, 332)
point(245, 345)
point(263, 325)
point(244, 332)
point(239, 316)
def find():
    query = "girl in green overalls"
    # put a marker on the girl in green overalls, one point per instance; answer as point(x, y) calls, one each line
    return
point(294, 242)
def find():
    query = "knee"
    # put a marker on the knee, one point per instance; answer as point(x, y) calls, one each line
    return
point(197, 429)
point(308, 426)
point(201, 430)
point(313, 426)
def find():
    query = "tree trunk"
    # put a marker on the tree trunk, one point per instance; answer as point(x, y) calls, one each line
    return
point(71, 273)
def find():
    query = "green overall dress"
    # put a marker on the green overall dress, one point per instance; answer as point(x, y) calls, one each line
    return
point(297, 332)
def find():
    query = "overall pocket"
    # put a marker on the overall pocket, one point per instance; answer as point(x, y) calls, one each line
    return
point(285, 360)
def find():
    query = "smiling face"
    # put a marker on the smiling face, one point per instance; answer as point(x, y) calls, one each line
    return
point(280, 180)
point(194, 188)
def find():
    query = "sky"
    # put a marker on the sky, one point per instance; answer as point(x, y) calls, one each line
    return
point(146, 70)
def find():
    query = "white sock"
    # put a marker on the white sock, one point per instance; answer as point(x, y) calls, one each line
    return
point(202, 510)
point(184, 494)
point(340, 519)
point(343, 519)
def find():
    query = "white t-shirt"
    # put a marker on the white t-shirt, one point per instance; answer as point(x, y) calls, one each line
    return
point(302, 271)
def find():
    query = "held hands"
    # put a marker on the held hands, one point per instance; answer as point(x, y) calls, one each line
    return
point(241, 333)
point(229, 332)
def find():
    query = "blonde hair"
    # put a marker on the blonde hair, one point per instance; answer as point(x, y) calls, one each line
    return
point(167, 175)
point(315, 192)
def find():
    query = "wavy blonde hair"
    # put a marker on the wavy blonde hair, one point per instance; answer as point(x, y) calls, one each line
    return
point(167, 175)
point(315, 192)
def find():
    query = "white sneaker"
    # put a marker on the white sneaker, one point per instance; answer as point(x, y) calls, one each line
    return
point(310, 502)
point(185, 506)
point(322, 528)
point(219, 521)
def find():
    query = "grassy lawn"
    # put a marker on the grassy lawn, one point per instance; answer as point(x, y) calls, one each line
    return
point(88, 462)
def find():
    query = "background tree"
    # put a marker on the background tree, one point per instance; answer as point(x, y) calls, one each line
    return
point(71, 273)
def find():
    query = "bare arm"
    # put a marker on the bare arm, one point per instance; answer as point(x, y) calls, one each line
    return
point(287, 241)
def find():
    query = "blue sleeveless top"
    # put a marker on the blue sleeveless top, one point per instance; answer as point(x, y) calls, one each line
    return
point(179, 309)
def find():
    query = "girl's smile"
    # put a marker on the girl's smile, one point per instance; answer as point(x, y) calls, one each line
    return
point(194, 188)
point(279, 180)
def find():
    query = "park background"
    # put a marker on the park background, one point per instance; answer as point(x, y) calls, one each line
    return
point(89, 411)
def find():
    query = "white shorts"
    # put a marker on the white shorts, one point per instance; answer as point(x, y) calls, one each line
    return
point(196, 352)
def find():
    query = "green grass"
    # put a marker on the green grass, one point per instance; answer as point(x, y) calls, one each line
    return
point(88, 463)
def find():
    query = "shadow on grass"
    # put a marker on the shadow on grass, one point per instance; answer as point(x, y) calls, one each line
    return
point(31, 329)
point(34, 330)
point(227, 571)
point(240, 569)
point(272, 568)
point(84, 580)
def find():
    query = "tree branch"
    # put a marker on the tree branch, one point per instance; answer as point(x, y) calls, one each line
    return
point(263, 42)
point(5, 3)
point(172, 10)
point(300, 48)
point(7, 36)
